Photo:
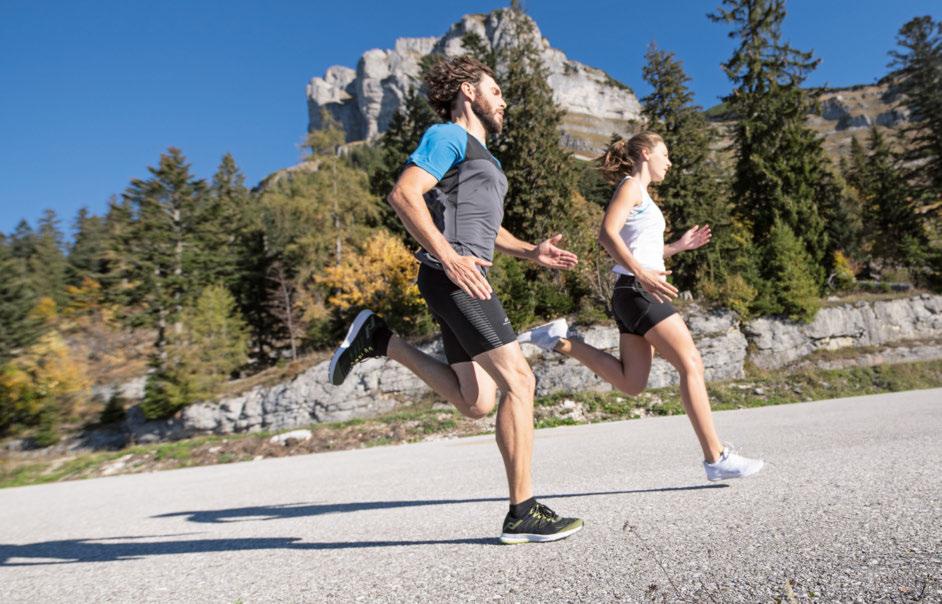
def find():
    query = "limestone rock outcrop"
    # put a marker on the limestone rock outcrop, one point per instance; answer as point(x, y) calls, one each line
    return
point(365, 100)
point(913, 325)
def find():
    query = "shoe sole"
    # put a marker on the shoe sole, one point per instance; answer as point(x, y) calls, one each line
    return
point(517, 538)
point(347, 340)
point(719, 478)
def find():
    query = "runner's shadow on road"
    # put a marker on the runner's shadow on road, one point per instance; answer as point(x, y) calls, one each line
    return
point(73, 551)
point(115, 549)
point(298, 510)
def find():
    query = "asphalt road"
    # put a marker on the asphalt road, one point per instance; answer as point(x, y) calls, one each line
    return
point(847, 509)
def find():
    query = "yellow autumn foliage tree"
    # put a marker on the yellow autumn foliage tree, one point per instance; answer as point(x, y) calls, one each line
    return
point(381, 277)
point(41, 386)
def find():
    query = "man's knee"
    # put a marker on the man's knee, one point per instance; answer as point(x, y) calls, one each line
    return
point(522, 383)
point(480, 407)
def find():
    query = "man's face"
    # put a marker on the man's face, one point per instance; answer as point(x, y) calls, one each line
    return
point(489, 104)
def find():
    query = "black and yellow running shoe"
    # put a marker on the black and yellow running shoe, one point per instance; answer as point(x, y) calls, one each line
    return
point(360, 343)
point(539, 525)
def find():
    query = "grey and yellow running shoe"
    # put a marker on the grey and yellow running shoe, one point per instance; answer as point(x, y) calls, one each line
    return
point(359, 344)
point(539, 525)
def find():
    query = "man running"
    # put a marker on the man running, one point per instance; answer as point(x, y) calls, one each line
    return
point(450, 197)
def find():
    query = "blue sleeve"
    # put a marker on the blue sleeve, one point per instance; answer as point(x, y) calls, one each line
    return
point(442, 146)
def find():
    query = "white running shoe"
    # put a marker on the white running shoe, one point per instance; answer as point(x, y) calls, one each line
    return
point(731, 465)
point(545, 336)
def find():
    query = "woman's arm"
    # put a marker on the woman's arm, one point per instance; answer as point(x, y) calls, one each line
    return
point(627, 196)
point(691, 240)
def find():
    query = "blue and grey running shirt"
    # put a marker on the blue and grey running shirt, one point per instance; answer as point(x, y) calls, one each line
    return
point(467, 204)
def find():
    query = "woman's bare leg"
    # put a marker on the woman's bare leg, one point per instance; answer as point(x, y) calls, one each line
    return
point(630, 374)
point(673, 341)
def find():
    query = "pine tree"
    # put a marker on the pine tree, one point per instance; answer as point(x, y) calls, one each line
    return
point(117, 272)
point(22, 241)
point(222, 220)
point(782, 174)
point(919, 77)
point(212, 344)
point(539, 173)
point(790, 289)
point(18, 328)
point(400, 139)
point(47, 263)
point(693, 192)
point(163, 247)
point(894, 232)
point(87, 254)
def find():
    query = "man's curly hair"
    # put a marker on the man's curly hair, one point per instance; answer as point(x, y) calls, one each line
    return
point(445, 77)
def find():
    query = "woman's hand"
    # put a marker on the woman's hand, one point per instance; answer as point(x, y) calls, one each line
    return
point(695, 238)
point(655, 283)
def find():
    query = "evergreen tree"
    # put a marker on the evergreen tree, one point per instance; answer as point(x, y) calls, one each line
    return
point(693, 192)
point(18, 328)
point(476, 46)
point(163, 246)
point(314, 219)
point(790, 289)
point(89, 248)
point(782, 174)
point(46, 262)
point(210, 346)
point(894, 232)
point(22, 241)
point(919, 77)
point(222, 221)
point(539, 173)
point(117, 266)
point(400, 139)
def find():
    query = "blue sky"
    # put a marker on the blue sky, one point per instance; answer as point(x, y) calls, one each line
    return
point(92, 92)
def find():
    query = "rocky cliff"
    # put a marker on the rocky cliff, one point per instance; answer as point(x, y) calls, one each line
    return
point(364, 100)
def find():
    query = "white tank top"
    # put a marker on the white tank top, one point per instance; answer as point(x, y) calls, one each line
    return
point(643, 233)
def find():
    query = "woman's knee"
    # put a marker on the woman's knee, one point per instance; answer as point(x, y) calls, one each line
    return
point(632, 386)
point(690, 363)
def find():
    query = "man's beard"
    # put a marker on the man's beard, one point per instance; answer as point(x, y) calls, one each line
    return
point(490, 121)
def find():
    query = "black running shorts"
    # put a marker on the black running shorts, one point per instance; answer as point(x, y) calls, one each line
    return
point(469, 326)
point(636, 311)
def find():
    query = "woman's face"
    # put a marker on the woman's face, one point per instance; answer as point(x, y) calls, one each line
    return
point(658, 162)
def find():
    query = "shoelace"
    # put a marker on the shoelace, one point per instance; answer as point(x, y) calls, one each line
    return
point(544, 513)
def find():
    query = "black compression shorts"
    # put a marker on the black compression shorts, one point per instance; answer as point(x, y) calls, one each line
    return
point(636, 311)
point(469, 326)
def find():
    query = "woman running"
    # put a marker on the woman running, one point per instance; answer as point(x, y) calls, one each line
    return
point(633, 234)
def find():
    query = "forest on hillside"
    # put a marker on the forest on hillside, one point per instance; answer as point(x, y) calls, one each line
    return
point(196, 281)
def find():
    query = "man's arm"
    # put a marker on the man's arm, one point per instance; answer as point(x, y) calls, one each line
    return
point(407, 200)
point(510, 245)
point(545, 254)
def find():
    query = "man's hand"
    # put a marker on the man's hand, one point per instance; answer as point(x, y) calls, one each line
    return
point(464, 272)
point(694, 238)
point(548, 255)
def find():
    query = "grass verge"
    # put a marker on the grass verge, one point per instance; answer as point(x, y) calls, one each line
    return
point(427, 419)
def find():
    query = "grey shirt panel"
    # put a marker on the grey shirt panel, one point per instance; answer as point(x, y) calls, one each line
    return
point(467, 204)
